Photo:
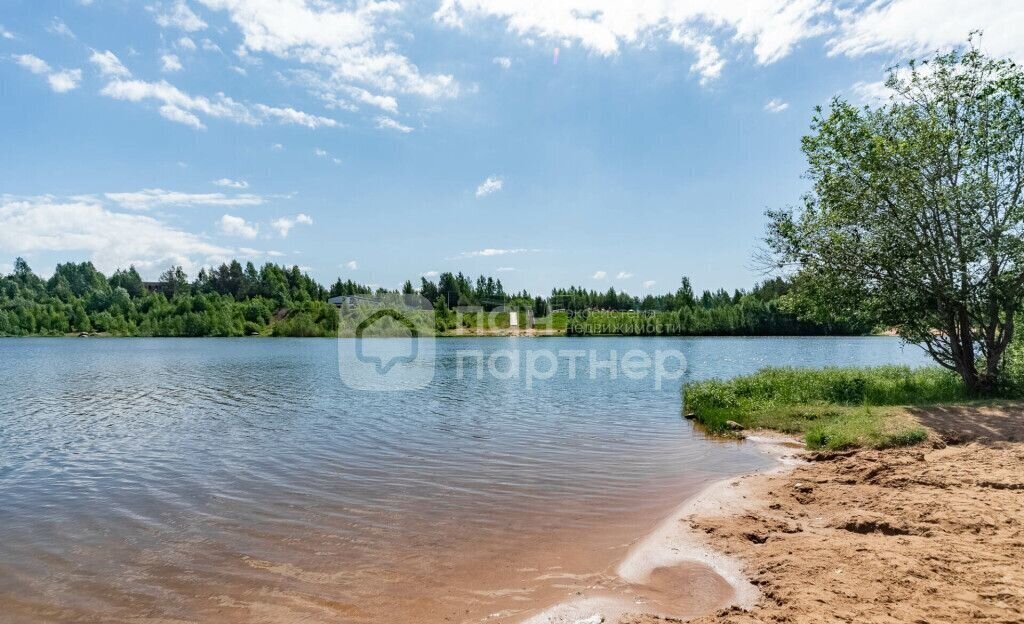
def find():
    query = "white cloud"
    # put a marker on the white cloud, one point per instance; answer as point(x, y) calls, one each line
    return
point(873, 92)
point(649, 284)
point(335, 93)
point(921, 26)
point(430, 274)
point(237, 226)
point(387, 123)
point(58, 27)
point(504, 269)
point(771, 28)
point(623, 275)
point(341, 42)
point(5, 34)
point(277, 147)
point(173, 113)
point(229, 183)
point(113, 239)
point(180, 15)
point(352, 265)
point(383, 102)
point(502, 61)
point(32, 63)
point(776, 105)
point(490, 252)
point(147, 199)
point(60, 81)
point(492, 184)
point(284, 225)
point(186, 43)
point(599, 275)
point(876, 92)
point(109, 65)
point(170, 63)
point(178, 106)
point(709, 63)
point(322, 153)
point(290, 115)
point(65, 80)
point(210, 46)
point(250, 252)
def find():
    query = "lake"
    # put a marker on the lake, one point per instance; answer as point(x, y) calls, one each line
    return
point(242, 480)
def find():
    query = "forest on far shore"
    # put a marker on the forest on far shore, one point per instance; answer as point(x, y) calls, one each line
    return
point(240, 300)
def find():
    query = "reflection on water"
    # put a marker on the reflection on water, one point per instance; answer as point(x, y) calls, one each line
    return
point(236, 479)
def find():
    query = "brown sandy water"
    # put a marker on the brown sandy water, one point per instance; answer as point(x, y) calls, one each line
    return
point(240, 480)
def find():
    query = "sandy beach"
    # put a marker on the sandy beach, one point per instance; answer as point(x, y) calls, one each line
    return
point(932, 533)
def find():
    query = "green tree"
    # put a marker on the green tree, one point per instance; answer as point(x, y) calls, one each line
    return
point(130, 280)
point(684, 295)
point(175, 281)
point(916, 218)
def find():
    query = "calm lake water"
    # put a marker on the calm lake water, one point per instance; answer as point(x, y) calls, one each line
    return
point(240, 480)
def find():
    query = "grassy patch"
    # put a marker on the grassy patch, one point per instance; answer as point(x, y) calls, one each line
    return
point(556, 321)
point(879, 427)
point(832, 408)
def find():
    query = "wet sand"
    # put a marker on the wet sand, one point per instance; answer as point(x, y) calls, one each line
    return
point(673, 571)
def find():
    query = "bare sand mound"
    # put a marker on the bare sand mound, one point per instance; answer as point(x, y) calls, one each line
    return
point(925, 534)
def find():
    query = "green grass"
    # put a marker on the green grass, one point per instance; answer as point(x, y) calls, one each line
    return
point(485, 321)
point(556, 321)
point(832, 408)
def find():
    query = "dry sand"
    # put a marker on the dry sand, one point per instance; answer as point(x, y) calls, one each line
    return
point(933, 533)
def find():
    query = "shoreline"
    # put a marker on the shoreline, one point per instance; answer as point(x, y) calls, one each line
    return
point(674, 544)
point(931, 532)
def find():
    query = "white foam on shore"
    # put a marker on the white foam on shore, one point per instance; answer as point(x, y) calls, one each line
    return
point(607, 608)
point(673, 543)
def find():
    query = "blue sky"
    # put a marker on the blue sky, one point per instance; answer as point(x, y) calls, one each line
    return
point(585, 142)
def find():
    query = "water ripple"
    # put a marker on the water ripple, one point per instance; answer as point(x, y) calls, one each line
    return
point(172, 478)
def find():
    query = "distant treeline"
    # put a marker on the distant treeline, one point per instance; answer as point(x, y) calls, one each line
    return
point(760, 312)
point(231, 300)
point(236, 300)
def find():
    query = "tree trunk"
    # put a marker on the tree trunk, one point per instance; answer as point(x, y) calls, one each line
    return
point(984, 382)
point(972, 380)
